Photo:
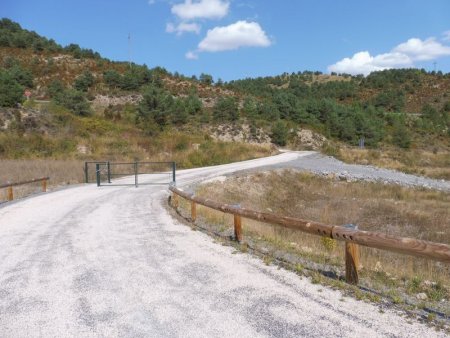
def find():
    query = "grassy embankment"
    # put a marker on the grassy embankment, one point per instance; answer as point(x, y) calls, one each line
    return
point(422, 214)
point(60, 150)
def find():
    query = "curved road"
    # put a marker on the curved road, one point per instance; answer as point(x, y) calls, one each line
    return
point(110, 262)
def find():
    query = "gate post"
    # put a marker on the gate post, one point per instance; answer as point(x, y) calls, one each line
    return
point(174, 167)
point(97, 170)
point(136, 174)
point(109, 172)
point(86, 176)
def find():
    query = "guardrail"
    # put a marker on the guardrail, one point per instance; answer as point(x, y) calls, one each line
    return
point(350, 234)
point(10, 193)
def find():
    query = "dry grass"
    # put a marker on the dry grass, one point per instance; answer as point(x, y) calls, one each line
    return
point(187, 151)
point(61, 172)
point(426, 163)
point(422, 214)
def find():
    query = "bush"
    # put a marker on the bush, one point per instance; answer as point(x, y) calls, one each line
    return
point(11, 92)
point(84, 81)
point(226, 109)
point(401, 136)
point(22, 76)
point(279, 133)
point(55, 88)
point(75, 101)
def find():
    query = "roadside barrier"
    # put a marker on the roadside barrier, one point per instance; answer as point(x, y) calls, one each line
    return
point(9, 186)
point(349, 233)
point(110, 173)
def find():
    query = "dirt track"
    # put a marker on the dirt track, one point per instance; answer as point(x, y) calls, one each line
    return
point(110, 261)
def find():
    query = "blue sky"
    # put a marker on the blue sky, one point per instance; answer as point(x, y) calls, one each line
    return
point(233, 39)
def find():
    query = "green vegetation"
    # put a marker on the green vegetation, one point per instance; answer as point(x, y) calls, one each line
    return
point(279, 133)
point(12, 35)
point(351, 107)
point(226, 110)
point(404, 111)
point(11, 92)
point(75, 101)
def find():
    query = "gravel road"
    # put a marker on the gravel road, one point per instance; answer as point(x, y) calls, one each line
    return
point(111, 262)
point(327, 165)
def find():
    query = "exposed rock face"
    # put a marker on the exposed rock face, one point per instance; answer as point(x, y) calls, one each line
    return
point(309, 140)
point(239, 133)
point(83, 149)
point(27, 119)
point(103, 101)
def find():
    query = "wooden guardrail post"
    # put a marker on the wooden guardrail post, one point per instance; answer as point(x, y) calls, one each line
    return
point(193, 211)
point(10, 193)
point(237, 228)
point(9, 186)
point(175, 200)
point(351, 259)
point(237, 225)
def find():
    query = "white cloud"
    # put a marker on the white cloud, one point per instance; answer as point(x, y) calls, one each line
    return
point(191, 55)
point(234, 36)
point(446, 36)
point(202, 9)
point(419, 50)
point(364, 63)
point(401, 56)
point(183, 27)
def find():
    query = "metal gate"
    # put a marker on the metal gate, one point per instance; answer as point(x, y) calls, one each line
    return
point(131, 173)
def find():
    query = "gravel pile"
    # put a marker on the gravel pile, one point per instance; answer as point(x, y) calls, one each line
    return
point(331, 167)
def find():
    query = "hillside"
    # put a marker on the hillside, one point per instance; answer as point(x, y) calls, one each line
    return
point(84, 106)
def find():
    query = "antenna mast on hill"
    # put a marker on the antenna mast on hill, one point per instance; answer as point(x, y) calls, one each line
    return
point(129, 49)
point(434, 64)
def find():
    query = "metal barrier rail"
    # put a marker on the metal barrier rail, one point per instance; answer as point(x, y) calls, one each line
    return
point(10, 193)
point(352, 236)
point(106, 168)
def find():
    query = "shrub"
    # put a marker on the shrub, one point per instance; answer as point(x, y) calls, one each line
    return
point(226, 109)
point(401, 136)
point(279, 133)
point(11, 92)
point(75, 101)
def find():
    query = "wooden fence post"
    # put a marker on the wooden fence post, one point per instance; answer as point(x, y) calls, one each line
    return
point(175, 200)
point(237, 225)
point(44, 185)
point(10, 193)
point(193, 211)
point(351, 259)
point(237, 228)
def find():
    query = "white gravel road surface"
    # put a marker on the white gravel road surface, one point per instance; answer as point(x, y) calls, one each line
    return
point(111, 262)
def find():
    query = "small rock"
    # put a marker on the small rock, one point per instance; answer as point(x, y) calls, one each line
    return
point(422, 296)
point(378, 267)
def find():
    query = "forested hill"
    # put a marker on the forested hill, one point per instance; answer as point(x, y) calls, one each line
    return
point(91, 96)
point(349, 107)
